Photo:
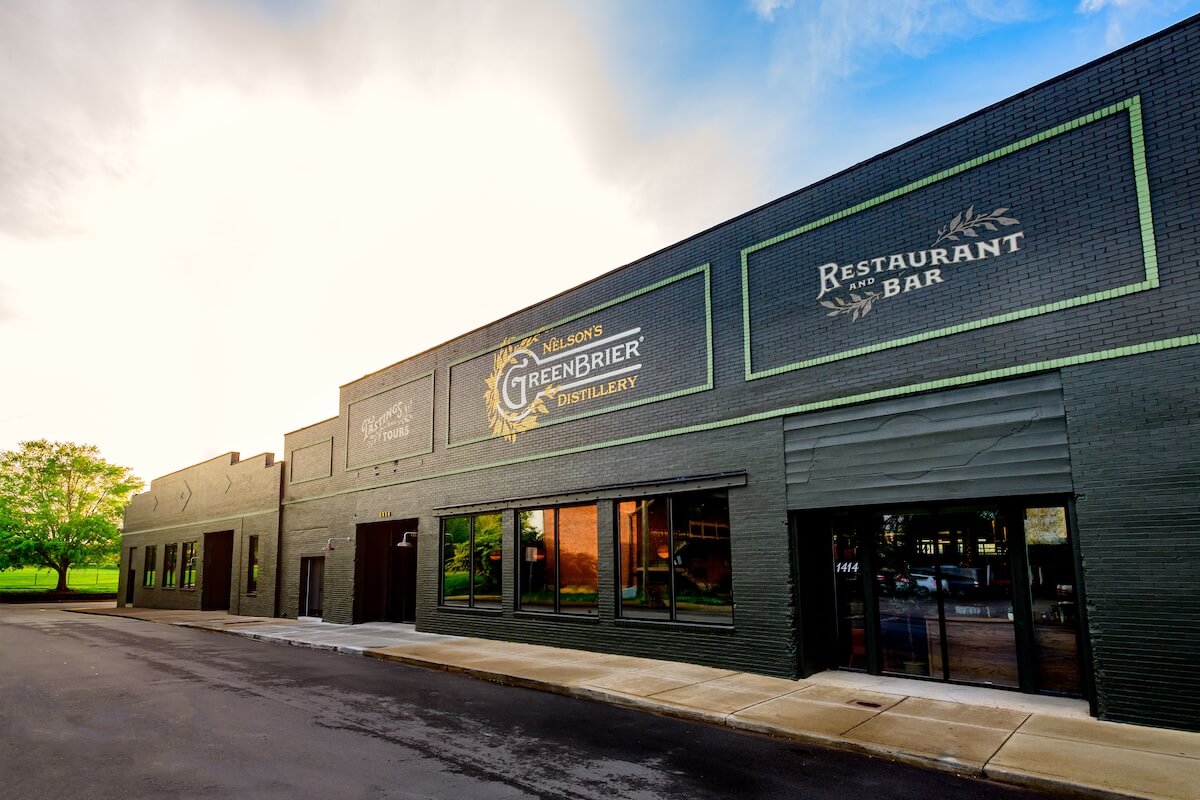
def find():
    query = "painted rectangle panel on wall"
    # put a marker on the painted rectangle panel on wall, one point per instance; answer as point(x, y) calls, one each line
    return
point(394, 423)
point(1056, 220)
point(649, 345)
point(311, 462)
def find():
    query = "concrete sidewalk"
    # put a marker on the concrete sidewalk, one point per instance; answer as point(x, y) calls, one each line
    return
point(1043, 742)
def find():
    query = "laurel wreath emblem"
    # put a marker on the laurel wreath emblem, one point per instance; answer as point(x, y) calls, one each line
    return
point(965, 224)
point(502, 423)
point(858, 306)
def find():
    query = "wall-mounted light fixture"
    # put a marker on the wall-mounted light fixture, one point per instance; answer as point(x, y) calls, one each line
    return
point(329, 548)
point(404, 542)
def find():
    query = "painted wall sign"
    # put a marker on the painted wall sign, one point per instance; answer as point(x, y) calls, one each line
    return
point(883, 277)
point(646, 346)
point(391, 424)
point(578, 368)
point(1054, 221)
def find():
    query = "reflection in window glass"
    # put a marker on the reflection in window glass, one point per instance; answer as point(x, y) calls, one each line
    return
point(149, 566)
point(472, 561)
point(675, 558)
point(456, 566)
point(189, 566)
point(488, 561)
point(170, 554)
point(558, 569)
point(1052, 584)
point(644, 539)
point(849, 597)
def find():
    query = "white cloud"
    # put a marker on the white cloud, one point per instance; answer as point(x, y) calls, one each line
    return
point(1121, 15)
point(209, 218)
point(766, 9)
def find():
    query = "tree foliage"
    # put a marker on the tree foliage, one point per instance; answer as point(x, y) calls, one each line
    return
point(60, 504)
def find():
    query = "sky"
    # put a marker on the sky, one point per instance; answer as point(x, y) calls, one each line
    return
point(214, 213)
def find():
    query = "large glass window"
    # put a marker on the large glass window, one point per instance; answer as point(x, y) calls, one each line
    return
point(941, 592)
point(170, 556)
point(149, 566)
point(674, 557)
point(1052, 585)
point(558, 560)
point(472, 560)
point(189, 566)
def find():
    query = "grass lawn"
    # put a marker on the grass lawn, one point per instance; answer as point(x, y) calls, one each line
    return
point(79, 579)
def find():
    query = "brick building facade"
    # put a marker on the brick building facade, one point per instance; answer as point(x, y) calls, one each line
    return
point(933, 416)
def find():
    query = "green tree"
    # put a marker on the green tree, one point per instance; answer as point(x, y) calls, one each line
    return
point(60, 503)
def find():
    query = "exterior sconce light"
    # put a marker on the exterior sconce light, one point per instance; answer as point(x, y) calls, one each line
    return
point(329, 548)
point(404, 542)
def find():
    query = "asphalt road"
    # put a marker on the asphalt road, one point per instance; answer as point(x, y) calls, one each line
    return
point(98, 707)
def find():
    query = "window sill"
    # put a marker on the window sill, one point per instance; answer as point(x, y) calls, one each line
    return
point(471, 610)
point(548, 615)
point(714, 627)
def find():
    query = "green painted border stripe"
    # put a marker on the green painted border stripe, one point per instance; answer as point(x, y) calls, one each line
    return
point(1010, 316)
point(411, 454)
point(1132, 105)
point(704, 269)
point(1141, 180)
point(202, 522)
point(819, 405)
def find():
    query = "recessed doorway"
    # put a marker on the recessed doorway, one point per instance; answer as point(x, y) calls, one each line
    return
point(978, 593)
point(312, 586)
point(385, 571)
point(217, 577)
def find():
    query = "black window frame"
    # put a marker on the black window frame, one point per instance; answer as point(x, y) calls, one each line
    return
point(672, 616)
point(520, 546)
point(149, 566)
point(170, 565)
point(471, 600)
point(187, 566)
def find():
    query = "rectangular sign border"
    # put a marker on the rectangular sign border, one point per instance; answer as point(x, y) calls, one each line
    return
point(1132, 105)
point(292, 461)
point(704, 269)
point(432, 420)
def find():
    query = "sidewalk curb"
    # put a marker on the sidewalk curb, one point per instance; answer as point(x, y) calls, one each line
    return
point(995, 774)
point(1049, 783)
point(690, 714)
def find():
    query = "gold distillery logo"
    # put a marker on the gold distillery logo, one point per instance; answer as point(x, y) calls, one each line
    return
point(532, 377)
point(854, 288)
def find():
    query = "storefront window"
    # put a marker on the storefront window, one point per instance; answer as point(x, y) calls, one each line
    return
point(149, 566)
point(558, 568)
point(1052, 585)
point(941, 584)
point(472, 561)
point(675, 559)
point(170, 554)
point(189, 566)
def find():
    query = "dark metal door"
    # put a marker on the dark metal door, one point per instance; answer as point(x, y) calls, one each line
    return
point(217, 578)
point(312, 586)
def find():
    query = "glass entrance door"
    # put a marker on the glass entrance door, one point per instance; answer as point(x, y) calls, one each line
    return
point(973, 593)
